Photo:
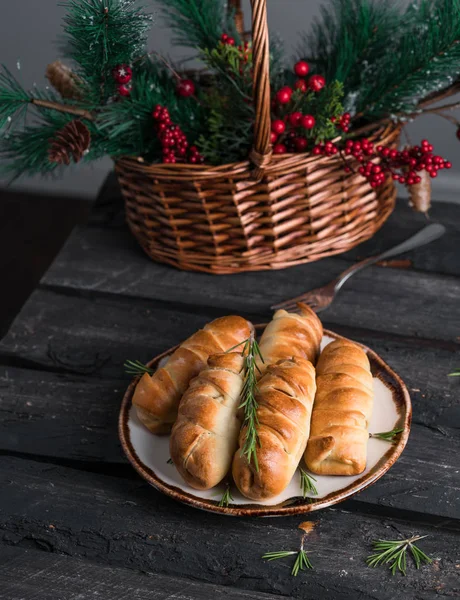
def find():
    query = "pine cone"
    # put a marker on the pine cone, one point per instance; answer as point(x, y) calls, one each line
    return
point(72, 141)
point(420, 194)
point(63, 80)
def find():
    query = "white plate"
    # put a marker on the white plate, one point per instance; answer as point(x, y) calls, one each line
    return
point(149, 453)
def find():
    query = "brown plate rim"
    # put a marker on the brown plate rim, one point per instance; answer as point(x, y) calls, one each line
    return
point(380, 369)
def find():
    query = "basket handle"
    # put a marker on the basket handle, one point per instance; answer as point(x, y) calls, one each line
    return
point(261, 152)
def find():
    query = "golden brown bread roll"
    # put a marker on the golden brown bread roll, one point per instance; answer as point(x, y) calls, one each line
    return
point(157, 396)
point(289, 334)
point(205, 434)
point(285, 397)
point(342, 410)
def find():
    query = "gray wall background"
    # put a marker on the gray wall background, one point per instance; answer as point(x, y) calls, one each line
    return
point(29, 29)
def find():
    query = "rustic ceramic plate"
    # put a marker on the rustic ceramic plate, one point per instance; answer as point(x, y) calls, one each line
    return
point(149, 454)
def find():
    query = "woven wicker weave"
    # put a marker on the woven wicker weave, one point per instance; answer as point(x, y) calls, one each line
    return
point(269, 212)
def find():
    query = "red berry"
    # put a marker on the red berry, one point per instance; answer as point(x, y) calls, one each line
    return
point(295, 119)
point(447, 164)
point(301, 68)
point(273, 137)
point(122, 74)
point(308, 121)
point(301, 144)
point(278, 126)
point(316, 83)
point(124, 90)
point(301, 85)
point(279, 149)
point(231, 41)
point(186, 88)
point(284, 95)
point(224, 37)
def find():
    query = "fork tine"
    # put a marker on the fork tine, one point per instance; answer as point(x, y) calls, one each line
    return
point(291, 306)
point(291, 303)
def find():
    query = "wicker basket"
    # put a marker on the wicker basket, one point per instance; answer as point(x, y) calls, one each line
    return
point(269, 212)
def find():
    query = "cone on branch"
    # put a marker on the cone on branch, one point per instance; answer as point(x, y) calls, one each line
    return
point(63, 80)
point(420, 194)
point(72, 141)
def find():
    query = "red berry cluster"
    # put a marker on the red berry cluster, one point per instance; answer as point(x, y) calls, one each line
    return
point(378, 162)
point(173, 140)
point(227, 39)
point(122, 74)
point(344, 122)
point(292, 140)
point(327, 149)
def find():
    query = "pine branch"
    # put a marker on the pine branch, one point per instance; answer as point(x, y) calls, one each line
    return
point(102, 34)
point(13, 98)
point(425, 60)
point(198, 23)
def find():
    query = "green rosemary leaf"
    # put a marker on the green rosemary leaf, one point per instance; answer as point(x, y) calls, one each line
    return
point(170, 461)
point(386, 436)
point(306, 484)
point(226, 497)
point(276, 555)
point(394, 554)
point(135, 367)
point(454, 374)
point(249, 403)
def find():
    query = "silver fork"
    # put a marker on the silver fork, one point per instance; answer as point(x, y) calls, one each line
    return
point(322, 297)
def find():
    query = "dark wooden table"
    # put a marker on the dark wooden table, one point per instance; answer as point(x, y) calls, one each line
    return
point(78, 523)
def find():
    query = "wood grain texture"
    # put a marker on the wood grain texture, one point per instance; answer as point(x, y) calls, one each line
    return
point(30, 575)
point(125, 523)
point(74, 421)
point(94, 336)
point(122, 269)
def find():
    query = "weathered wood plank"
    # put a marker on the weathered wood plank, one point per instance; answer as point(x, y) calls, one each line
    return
point(440, 257)
point(32, 575)
point(124, 523)
point(99, 261)
point(65, 418)
point(94, 336)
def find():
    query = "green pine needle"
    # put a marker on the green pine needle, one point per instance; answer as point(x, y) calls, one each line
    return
point(136, 367)
point(301, 563)
point(394, 554)
point(454, 374)
point(306, 484)
point(226, 497)
point(251, 352)
point(387, 436)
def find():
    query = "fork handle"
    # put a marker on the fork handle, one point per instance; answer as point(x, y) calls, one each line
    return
point(424, 236)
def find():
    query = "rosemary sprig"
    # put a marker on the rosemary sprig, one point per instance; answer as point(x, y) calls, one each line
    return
point(454, 374)
point(135, 367)
point(386, 436)
point(306, 484)
point(249, 403)
point(301, 563)
point(394, 553)
point(226, 497)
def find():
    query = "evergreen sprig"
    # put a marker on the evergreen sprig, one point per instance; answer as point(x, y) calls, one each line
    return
point(226, 497)
point(101, 34)
point(394, 554)
point(198, 23)
point(14, 99)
